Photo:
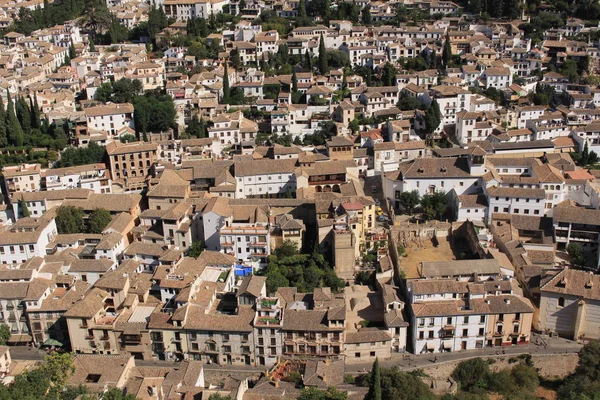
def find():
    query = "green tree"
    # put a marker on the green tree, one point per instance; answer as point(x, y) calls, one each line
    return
point(3, 122)
point(196, 249)
point(313, 393)
point(153, 112)
point(98, 220)
point(410, 200)
point(23, 115)
point(24, 210)
point(69, 219)
point(196, 127)
point(226, 91)
point(117, 394)
point(104, 92)
point(35, 112)
point(512, 9)
point(433, 117)
point(4, 334)
point(447, 52)
point(497, 8)
point(72, 156)
point(323, 66)
point(388, 75)
point(125, 90)
point(408, 102)
point(307, 62)
point(58, 367)
point(157, 21)
point(92, 46)
point(569, 69)
point(472, 374)
point(218, 396)
point(14, 130)
point(434, 205)
point(294, 82)
point(72, 53)
point(576, 252)
point(526, 377)
point(236, 61)
point(375, 384)
point(398, 385)
point(367, 19)
point(96, 17)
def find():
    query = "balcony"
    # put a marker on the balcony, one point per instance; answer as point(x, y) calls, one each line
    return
point(89, 337)
point(258, 244)
point(131, 339)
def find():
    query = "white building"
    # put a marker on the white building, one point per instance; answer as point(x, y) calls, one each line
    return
point(27, 238)
point(186, 9)
point(110, 118)
point(265, 178)
point(431, 175)
point(95, 177)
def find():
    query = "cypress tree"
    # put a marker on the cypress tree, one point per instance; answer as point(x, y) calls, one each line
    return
point(35, 112)
point(92, 46)
point(302, 10)
point(226, 92)
point(375, 383)
point(307, 61)
point(585, 155)
point(447, 52)
point(24, 210)
point(72, 53)
point(3, 138)
point(23, 115)
point(294, 82)
point(323, 67)
point(14, 131)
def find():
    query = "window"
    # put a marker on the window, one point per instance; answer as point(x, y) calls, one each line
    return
point(430, 334)
point(482, 319)
point(465, 332)
point(561, 301)
point(481, 331)
point(421, 334)
point(466, 320)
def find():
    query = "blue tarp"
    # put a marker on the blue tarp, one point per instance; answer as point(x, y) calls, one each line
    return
point(243, 270)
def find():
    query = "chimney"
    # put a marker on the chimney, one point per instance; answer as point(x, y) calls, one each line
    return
point(487, 301)
point(507, 301)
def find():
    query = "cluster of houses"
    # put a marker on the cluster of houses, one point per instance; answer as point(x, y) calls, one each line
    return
point(133, 291)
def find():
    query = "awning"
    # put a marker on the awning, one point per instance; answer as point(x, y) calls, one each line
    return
point(19, 338)
point(52, 342)
point(447, 344)
point(430, 346)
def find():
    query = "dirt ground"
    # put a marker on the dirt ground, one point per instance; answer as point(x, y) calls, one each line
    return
point(424, 251)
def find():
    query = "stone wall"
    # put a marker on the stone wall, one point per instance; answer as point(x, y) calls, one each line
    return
point(549, 366)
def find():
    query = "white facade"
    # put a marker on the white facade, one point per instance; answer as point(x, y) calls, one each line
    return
point(18, 246)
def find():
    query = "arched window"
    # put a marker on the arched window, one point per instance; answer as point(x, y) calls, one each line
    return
point(561, 301)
